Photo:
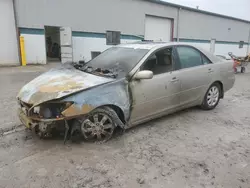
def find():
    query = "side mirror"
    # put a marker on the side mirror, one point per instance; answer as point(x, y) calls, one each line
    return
point(145, 74)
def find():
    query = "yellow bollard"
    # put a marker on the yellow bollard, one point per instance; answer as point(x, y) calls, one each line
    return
point(22, 49)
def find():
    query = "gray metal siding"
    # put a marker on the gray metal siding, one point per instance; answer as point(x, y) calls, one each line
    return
point(194, 25)
point(8, 37)
point(162, 2)
point(126, 16)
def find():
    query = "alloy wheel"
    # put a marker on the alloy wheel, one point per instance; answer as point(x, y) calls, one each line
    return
point(97, 126)
point(213, 96)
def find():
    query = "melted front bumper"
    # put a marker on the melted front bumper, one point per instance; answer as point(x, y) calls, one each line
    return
point(29, 123)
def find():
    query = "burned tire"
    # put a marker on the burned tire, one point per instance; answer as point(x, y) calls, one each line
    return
point(99, 125)
point(212, 97)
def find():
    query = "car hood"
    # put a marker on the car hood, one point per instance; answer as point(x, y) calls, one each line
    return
point(58, 83)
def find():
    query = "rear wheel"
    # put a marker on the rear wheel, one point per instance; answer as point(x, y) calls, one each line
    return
point(99, 125)
point(212, 97)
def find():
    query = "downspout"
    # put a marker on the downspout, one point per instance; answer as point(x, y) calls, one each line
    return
point(178, 23)
point(17, 31)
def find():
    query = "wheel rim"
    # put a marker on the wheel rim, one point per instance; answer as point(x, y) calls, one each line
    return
point(212, 96)
point(98, 126)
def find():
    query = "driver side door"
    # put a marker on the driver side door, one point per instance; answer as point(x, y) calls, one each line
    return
point(159, 95)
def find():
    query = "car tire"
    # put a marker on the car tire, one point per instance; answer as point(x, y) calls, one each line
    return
point(99, 125)
point(212, 97)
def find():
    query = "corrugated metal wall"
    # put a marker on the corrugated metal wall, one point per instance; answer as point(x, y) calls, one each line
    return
point(90, 19)
point(90, 15)
point(8, 37)
point(194, 25)
point(127, 16)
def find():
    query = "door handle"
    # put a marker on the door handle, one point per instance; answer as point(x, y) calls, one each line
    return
point(210, 70)
point(174, 79)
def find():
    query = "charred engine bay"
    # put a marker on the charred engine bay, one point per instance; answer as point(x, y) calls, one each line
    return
point(97, 71)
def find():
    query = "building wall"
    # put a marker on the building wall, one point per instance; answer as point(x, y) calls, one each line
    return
point(194, 25)
point(89, 20)
point(34, 44)
point(8, 37)
point(83, 44)
point(97, 16)
point(221, 49)
point(127, 16)
point(227, 32)
point(35, 48)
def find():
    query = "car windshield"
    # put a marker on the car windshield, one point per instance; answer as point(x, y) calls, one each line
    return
point(116, 61)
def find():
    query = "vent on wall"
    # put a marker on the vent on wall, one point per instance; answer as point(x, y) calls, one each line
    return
point(113, 37)
point(241, 44)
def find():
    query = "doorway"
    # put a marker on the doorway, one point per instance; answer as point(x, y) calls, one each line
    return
point(53, 44)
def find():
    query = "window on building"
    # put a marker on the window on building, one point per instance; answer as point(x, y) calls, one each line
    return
point(113, 37)
point(189, 57)
point(159, 62)
point(241, 44)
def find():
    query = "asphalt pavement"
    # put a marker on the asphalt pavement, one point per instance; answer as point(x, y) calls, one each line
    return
point(191, 148)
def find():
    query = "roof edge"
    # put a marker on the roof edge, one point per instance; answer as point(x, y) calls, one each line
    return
point(197, 10)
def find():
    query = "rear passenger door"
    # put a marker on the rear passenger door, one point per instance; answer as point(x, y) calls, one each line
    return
point(195, 70)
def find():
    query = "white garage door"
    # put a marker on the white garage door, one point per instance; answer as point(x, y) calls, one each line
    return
point(157, 29)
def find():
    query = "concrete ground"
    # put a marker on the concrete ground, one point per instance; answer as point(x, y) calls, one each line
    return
point(11, 81)
point(192, 148)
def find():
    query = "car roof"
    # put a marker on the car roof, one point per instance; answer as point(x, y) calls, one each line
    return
point(155, 45)
point(151, 45)
point(144, 45)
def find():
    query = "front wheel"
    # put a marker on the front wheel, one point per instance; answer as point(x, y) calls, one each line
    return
point(212, 97)
point(99, 125)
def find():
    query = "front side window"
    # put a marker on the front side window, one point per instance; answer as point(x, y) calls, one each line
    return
point(189, 57)
point(159, 62)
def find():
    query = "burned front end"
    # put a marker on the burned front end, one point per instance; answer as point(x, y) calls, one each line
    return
point(59, 99)
point(42, 101)
point(44, 117)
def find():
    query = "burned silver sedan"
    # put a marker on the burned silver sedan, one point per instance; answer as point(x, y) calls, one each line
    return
point(122, 87)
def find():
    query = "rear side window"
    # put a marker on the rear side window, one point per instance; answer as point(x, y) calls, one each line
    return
point(205, 60)
point(189, 57)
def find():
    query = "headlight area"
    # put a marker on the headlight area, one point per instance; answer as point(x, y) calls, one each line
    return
point(56, 117)
point(49, 110)
point(46, 117)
